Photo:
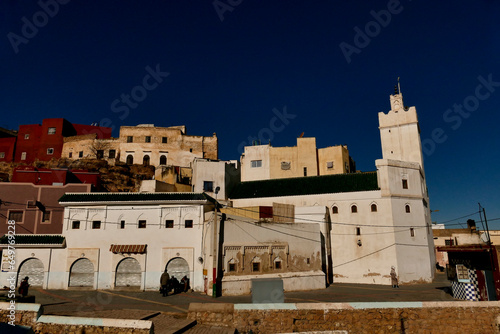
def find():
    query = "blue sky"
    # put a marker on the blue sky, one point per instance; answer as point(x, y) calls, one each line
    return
point(271, 70)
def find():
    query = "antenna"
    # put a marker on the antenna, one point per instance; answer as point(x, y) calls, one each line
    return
point(399, 87)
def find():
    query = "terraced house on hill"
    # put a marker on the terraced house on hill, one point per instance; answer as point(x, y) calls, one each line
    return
point(369, 222)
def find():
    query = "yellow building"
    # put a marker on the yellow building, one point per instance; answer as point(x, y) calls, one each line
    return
point(264, 162)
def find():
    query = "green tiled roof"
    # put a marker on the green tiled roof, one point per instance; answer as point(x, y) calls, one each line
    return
point(34, 239)
point(130, 197)
point(340, 183)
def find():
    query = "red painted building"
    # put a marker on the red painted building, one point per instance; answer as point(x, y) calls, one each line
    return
point(55, 176)
point(35, 208)
point(7, 144)
point(44, 142)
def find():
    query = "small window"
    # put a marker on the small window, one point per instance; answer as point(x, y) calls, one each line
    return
point(50, 151)
point(412, 232)
point(112, 154)
point(354, 209)
point(169, 224)
point(2, 155)
point(130, 139)
point(27, 136)
point(80, 154)
point(405, 184)
point(358, 230)
point(308, 261)
point(255, 266)
point(188, 223)
point(142, 224)
point(52, 131)
point(407, 208)
point(374, 207)
point(208, 186)
point(99, 154)
point(305, 171)
point(449, 242)
point(75, 224)
point(23, 156)
point(164, 140)
point(122, 224)
point(70, 155)
point(46, 217)
point(277, 265)
point(148, 139)
point(256, 163)
point(130, 160)
point(335, 210)
point(329, 165)
point(190, 150)
point(96, 224)
point(231, 267)
point(16, 216)
point(462, 273)
point(286, 165)
point(163, 160)
point(145, 160)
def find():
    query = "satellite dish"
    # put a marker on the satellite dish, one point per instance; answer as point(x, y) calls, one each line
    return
point(484, 237)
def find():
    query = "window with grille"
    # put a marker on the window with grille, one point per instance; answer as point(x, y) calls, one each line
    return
point(256, 163)
point(52, 131)
point(16, 216)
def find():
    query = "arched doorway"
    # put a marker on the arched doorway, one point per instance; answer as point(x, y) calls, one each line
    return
point(178, 268)
point(130, 159)
point(163, 160)
point(128, 273)
point(81, 273)
point(145, 160)
point(33, 268)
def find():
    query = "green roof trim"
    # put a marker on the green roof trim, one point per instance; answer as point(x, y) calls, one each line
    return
point(131, 197)
point(34, 239)
point(312, 185)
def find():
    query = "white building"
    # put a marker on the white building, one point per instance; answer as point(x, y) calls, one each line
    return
point(122, 240)
point(375, 220)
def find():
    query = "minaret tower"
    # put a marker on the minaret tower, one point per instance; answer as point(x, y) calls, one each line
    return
point(400, 132)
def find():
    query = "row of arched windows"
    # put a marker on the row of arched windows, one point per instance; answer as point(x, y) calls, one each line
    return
point(373, 208)
point(146, 160)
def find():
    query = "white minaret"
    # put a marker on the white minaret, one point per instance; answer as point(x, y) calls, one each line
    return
point(400, 132)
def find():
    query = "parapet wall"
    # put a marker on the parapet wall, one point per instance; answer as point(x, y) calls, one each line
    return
point(31, 315)
point(401, 317)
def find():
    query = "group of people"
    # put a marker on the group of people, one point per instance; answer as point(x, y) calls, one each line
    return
point(168, 284)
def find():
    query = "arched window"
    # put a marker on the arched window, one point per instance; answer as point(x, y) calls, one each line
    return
point(335, 209)
point(354, 209)
point(374, 207)
point(407, 208)
point(145, 160)
point(130, 159)
point(163, 160)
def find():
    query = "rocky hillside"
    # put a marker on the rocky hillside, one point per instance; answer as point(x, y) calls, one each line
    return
point(118, 178)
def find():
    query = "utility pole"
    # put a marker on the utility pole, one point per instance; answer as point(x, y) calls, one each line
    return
point(214, 258)
point(489, 241)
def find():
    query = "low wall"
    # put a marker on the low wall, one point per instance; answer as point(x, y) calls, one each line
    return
point(238, 285)
point(31, 315)
point(400, 317)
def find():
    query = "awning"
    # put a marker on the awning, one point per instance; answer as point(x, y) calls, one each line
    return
point(135, 249)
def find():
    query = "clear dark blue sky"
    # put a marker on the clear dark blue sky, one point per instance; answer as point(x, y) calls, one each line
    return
point(230, 67)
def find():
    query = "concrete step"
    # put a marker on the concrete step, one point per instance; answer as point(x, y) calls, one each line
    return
point(171, 324)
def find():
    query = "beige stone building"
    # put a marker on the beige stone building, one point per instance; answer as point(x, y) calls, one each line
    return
point(147, 144)
point(264, 162)
point(89, 147)
point(144, 144)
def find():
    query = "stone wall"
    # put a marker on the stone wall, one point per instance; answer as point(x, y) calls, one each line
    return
point(402, 317)
point(31, 315)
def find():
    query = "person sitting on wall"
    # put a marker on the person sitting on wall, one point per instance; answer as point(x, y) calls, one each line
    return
point(164, 282)
point(24, 286)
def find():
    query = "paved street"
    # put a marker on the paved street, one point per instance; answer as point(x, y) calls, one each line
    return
point(136, 304)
